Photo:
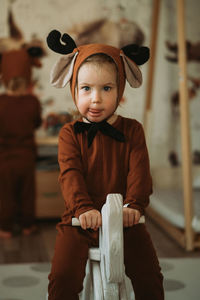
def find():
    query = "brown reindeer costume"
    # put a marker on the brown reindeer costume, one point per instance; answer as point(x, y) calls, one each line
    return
point(20, 115)
point(94, 163)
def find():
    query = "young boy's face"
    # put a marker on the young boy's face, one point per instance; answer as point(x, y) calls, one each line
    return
point(97, 90)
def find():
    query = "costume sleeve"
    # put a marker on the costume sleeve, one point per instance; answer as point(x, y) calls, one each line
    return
point(139, 182)
point(71, 178)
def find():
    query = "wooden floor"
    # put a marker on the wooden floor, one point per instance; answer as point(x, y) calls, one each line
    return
point(165, 246)
point(40, 246)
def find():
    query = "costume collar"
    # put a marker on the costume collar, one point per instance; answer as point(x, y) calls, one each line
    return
point(104, 127)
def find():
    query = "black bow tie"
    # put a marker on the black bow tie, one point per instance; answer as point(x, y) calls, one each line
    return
point(93, 127)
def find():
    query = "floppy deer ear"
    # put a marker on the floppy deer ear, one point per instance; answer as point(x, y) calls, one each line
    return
point(132, 72)
point(62, 71)
point(132, 56)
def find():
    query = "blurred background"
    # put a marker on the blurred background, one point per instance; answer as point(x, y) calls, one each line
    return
point(115, 22)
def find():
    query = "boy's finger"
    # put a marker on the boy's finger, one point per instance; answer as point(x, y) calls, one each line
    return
point(99, 221)
point(88, 221)
point(94, 222)
point(125, 219)
point(137, 218)
point(131, 219)
point(83, 222)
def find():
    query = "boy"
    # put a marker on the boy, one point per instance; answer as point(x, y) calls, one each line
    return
point(101, 153)
point(20, 115)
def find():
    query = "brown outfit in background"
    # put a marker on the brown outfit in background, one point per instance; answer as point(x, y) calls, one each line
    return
point(87, 176)
point(19, 117)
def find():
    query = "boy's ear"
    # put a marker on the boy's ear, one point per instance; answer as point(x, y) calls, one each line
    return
point(62, 71)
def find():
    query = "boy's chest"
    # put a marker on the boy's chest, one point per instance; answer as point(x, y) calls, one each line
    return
point(105, 156)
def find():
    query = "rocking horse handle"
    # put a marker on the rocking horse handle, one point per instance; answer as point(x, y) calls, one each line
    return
point(76, 222)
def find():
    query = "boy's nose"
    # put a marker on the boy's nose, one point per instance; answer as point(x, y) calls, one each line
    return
point(96, 97)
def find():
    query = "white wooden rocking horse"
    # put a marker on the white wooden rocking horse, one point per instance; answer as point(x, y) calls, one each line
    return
point(105, 277)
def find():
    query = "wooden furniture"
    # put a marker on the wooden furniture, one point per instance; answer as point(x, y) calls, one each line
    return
point(105, 276)
point(167, 206)
point(186, 238)
point(49, 200)
point(150, 78)
point(47, 140)
point(185, 130)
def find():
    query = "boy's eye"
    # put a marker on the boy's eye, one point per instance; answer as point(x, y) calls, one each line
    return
point(107, 88)
point(85, 88)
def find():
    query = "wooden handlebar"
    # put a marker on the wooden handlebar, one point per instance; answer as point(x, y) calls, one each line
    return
point(76, 222)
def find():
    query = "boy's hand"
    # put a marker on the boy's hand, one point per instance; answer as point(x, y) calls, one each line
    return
point(90, 219)
point(130, 216)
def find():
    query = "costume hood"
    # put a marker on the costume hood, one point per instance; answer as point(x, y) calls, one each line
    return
point(18, 63)
point(66, 68)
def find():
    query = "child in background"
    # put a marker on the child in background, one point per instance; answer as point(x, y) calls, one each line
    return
point(101, 153)
point(20, 115)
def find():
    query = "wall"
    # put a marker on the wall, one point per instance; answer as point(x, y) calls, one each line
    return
point(165, 134)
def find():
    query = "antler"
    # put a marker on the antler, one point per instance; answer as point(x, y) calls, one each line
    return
point(138, 54)
point(54, 42)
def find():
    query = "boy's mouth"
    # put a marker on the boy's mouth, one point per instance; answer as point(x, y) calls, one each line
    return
point(95, 111)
